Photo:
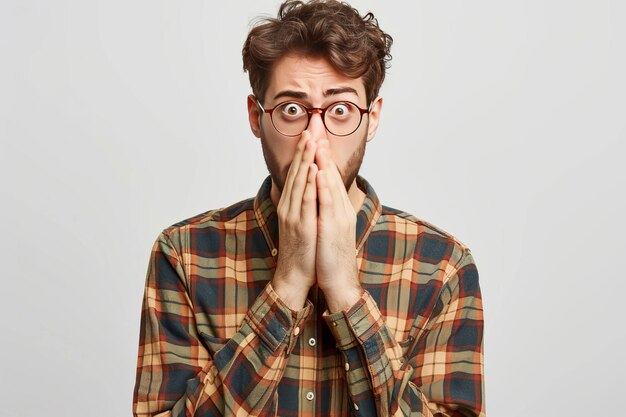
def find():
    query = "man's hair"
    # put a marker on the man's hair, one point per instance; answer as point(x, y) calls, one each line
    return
point(353, 44)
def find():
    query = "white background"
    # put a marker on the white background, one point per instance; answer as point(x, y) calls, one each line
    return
point(504, 123)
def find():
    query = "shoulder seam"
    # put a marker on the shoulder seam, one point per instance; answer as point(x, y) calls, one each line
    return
point(389, 211)
point(211, 215)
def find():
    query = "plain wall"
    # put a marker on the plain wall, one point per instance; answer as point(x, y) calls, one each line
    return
point(503, 123)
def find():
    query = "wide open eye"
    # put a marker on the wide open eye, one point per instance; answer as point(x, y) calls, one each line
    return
point(341, 110)
point(291, 110)
point(342, 118)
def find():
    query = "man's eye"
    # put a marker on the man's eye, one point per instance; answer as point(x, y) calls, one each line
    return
point(292, 109)
point(340, 109)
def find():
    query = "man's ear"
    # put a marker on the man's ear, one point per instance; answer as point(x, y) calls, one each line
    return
point(374, 117)
point(254, 116)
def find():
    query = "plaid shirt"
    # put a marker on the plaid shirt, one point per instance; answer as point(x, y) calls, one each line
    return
point(215, 339)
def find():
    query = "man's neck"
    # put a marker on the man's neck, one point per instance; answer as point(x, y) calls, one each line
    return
point(356, 196)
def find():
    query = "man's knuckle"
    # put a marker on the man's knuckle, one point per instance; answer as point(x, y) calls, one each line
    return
point(291, 221)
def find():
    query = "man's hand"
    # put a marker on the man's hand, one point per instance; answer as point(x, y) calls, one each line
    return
point(297, 227)
point(337, 273)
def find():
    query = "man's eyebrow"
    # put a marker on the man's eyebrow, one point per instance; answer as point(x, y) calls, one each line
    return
point(335, 91)
point(291, 93)
point(302, 95)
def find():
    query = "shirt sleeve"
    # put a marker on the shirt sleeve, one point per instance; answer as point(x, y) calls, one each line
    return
point(176, 374)
point(442, 372)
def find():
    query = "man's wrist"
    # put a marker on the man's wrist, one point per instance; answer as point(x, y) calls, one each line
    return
point(293, 296)
point(341, 298)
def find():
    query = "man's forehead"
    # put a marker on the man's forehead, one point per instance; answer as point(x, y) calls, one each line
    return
point(307, 77)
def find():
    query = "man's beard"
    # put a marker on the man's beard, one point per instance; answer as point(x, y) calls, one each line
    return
point(348, 173)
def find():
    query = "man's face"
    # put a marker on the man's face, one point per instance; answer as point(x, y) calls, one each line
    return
point(313, 82)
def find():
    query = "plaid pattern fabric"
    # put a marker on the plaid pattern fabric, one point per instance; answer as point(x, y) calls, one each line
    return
point(215, 340)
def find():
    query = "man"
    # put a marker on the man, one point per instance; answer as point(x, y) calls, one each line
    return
point(311, 298)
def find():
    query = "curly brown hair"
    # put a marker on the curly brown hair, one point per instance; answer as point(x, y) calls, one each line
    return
point(353, 44)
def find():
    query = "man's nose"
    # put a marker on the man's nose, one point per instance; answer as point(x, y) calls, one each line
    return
point(316, 126)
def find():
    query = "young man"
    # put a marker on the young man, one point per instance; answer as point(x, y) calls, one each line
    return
point(311, 298)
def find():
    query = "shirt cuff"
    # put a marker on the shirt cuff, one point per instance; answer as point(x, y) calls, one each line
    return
point(274, 322)
point(356, 324)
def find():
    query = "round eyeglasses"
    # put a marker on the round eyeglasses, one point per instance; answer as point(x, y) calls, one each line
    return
point(291, 118)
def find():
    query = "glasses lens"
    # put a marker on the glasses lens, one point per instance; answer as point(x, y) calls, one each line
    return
point(290, 118)
point(342, 118)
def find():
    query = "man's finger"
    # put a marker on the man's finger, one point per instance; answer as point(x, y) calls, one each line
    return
point(300, 179)
point(293, 168)
point(324, 195)
point(332, 178)
point(309, 198)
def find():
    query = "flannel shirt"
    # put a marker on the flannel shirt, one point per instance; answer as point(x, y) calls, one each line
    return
point(216, 340)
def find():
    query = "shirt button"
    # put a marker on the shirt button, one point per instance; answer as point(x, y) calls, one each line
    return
point(296, 331)
point(356, 407)
point(311, 342)
point(347, 366)
point(310, 396)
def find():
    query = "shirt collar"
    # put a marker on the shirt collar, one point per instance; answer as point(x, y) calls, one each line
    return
point(266, 216)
